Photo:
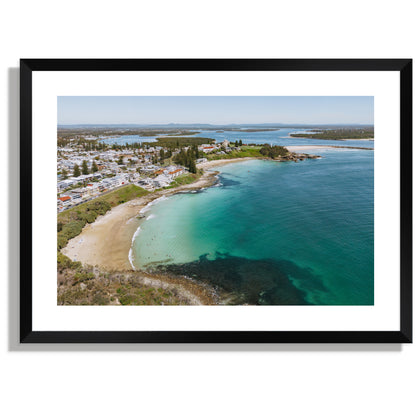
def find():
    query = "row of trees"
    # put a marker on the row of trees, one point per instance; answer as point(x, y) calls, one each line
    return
point(165, 155)
point(238, 143)
point(87, 145)
point(84, 169)
point(187, 158)
point(273, 151)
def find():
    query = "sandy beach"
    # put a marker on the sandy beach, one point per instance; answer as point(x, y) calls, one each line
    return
point(106, 242)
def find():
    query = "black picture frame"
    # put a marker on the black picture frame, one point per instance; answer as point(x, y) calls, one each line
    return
point(403, 66)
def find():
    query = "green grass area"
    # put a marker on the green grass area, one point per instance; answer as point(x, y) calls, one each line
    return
point(246, 151)
point(184, 180)
point(72, 221)
point(124, 194)
point(114, 198)
point(128, 295)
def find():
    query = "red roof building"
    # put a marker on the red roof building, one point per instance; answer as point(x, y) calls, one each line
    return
point(175, 171)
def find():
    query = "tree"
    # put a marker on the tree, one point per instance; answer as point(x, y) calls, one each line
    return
point(94, 167)
point(120, 160)
point(196, 151)
point(64, 174)
point(77, 172)
point(85, 170)
point(189, 157)
point(273, 151)
point(162, 154)
point(192, 166)
point(180, 158)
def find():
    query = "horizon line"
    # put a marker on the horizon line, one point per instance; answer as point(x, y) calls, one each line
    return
point(215, 125)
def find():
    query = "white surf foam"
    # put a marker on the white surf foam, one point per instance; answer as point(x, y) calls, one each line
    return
point(131, 248)
point(150, 204)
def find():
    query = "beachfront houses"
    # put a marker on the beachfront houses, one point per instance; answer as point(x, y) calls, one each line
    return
point(112, 167)
point(164, 177)
point(206, 148)
point(89, 190)
point(146, 183)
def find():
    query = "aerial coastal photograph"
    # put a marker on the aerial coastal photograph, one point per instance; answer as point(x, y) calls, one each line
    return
point(215, 200)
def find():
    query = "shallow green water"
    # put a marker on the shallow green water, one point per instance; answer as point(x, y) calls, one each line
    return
point(274, 233)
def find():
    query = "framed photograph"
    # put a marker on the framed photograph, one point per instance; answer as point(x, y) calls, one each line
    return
point(215, 201)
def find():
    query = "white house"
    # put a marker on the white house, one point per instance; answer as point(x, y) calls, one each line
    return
point(175, 173)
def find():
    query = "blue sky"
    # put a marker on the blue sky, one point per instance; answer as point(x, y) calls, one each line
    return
point(215, 110)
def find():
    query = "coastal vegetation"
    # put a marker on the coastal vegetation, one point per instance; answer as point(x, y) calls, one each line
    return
point(177, 142)
point(246, 151)
point(87, 285)
point(187, 158)
point(185, 179)
point(81, 284)
point(97, 132)
point(252, 151)
point(72, 221)
point(274, 151)
point(338, 134)
point(168, 143)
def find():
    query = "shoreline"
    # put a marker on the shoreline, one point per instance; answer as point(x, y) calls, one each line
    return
point(317, 138)
point(107, 241)
point(301, 147)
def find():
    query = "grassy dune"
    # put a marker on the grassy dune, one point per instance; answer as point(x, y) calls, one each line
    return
point(72, 221)
point(246, 151)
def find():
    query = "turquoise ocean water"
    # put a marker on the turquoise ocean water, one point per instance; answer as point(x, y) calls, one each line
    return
point(271, 232)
